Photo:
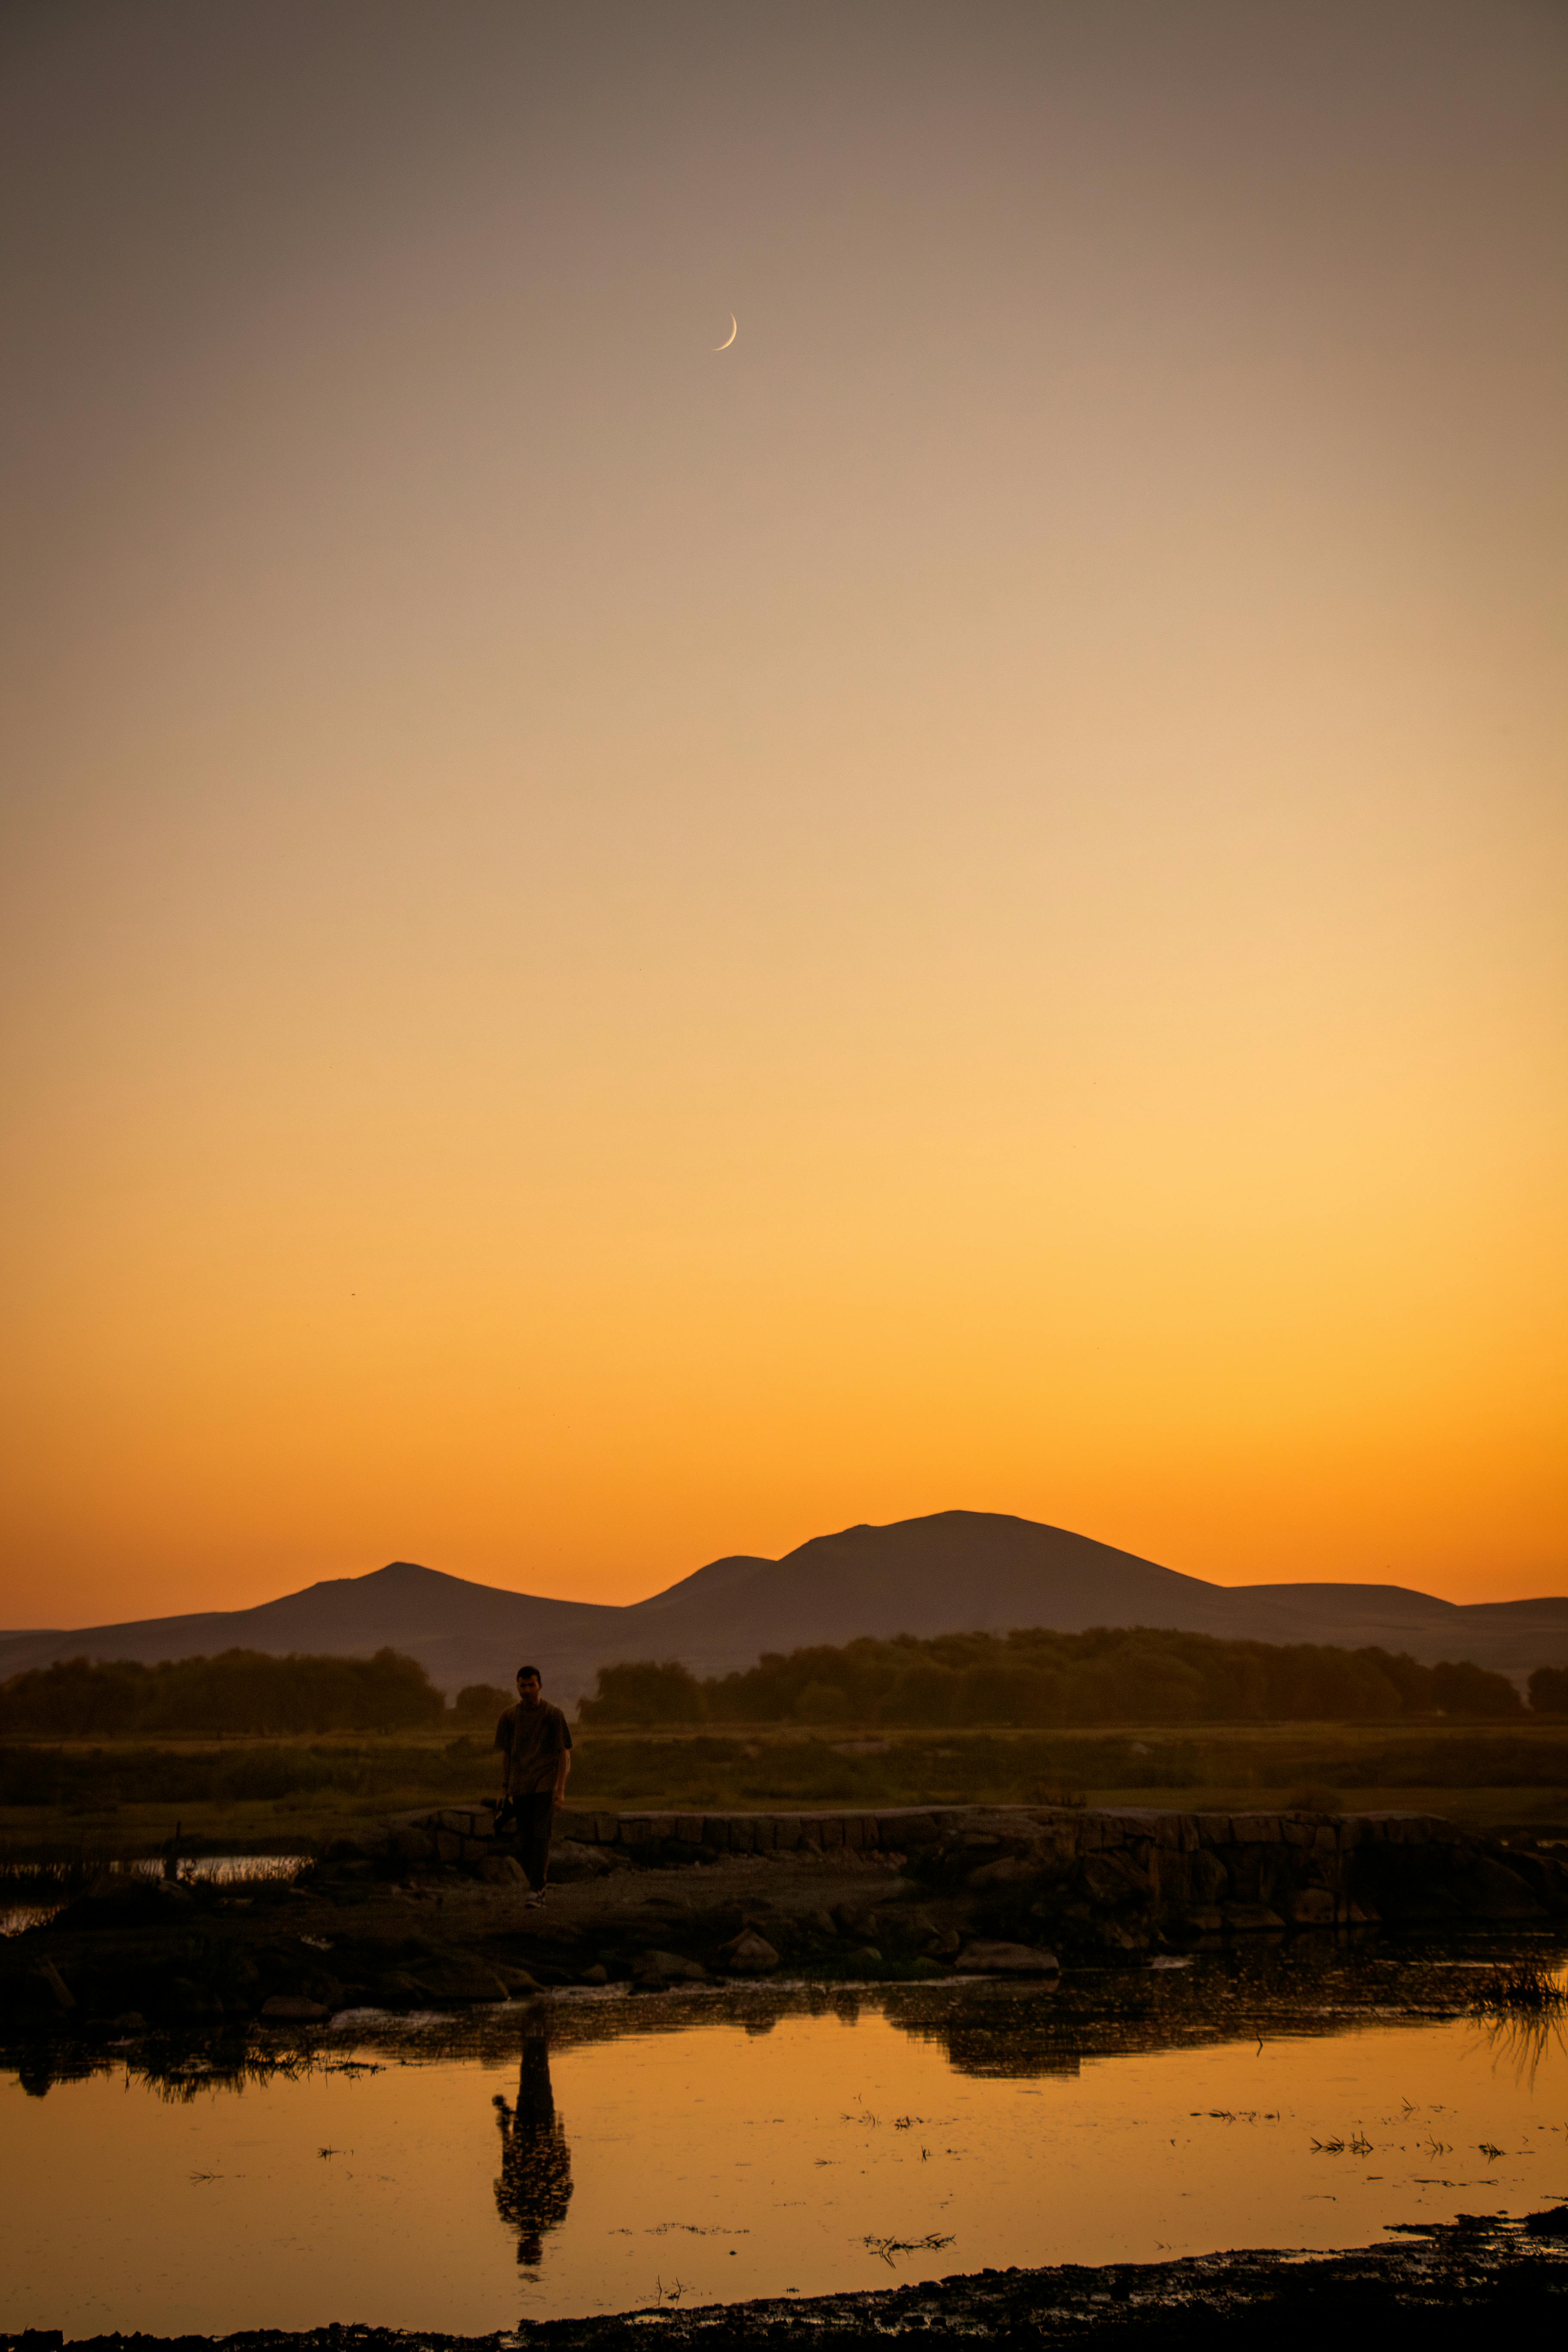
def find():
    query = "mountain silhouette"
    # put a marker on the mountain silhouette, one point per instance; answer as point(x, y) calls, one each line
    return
point(955, 1571)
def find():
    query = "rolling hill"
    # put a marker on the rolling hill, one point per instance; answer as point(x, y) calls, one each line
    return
point(954, 1571)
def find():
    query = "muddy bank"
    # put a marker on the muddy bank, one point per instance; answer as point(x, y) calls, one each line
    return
point(433, 1914)
point(1450, 2279)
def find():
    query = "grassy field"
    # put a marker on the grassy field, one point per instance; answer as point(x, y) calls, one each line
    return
point(253, 1794)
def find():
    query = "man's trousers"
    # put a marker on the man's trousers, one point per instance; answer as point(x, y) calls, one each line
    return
point(535, 1816)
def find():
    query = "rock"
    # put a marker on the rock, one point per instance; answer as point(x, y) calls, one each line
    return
point(63, 1996)
point(292, 2009)
point(502, 1870)
point(1207, 1876)
point(865, 1956)
point(969, 1848)
point(114, 1900)
point(851, 1919)
point(191, 2003)
point(132, 2022)
point(669, 1968)
point(396, 1990)
point(1250, 1918)
point(467, 1820)
point(1545, 1878)
point(110, 1885)
point(517, 1981)
point(1490, 1890)
point(456, 1977)
point(1112, 1878)
point(410, 1844)
point(749, 1955)
point(597, 1975)
point(1313, 1906)
point(569, 1861)
point(1008, 1960)
point(1013, 1871)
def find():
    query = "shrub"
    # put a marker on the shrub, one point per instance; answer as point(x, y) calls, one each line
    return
point(480, 1705)
point(1549, 1690)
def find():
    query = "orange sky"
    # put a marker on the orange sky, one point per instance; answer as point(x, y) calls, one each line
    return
point(615, 954)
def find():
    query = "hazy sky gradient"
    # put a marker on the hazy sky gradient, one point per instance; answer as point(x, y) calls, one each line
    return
point(617, 953)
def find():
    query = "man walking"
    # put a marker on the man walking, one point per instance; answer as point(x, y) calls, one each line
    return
point(536, 1741)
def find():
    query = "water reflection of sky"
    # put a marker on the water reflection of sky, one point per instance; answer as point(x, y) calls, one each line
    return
point(598, 2154)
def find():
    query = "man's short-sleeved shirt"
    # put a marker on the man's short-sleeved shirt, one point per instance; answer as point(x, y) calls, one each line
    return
point(532, 1739)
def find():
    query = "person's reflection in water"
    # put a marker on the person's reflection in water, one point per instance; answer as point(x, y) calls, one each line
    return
point(535, 2185)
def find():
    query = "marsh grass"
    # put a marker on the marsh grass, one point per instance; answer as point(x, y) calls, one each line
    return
point(245, 1795)
point(1524, 1989)
point(887, 2250)
point(1522, 2008)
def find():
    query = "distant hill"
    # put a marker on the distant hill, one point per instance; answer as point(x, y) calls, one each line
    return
point(956, 1571)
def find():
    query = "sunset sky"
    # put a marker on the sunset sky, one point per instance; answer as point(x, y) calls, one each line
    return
point(616, 952)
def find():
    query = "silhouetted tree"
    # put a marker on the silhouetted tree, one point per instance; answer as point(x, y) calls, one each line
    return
point(1549, 1690)
point(480, 1705)
point(239, 1691)
point(645, 1692)
point(1467, 1689)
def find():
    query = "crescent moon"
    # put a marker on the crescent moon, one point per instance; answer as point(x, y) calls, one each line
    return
point(734, 331)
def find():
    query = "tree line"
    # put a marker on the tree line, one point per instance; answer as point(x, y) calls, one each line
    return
point(240, 1691)
point(1037, 1679)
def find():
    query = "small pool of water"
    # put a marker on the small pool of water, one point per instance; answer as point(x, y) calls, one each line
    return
point(597, 2152)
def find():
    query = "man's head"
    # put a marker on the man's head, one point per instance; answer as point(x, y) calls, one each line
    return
point(528, 1685)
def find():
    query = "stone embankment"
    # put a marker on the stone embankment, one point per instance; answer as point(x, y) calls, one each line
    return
point(1116, 1878)
point(432, 1910)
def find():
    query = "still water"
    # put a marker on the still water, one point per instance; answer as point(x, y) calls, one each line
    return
point(598, 2153)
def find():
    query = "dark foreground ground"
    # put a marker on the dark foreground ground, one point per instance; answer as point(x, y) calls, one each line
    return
point(1454, 2284)
point(423, 1916)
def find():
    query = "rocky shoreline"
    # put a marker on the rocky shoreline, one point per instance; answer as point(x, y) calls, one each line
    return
point(1448, 2279)
point(433, 1914)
